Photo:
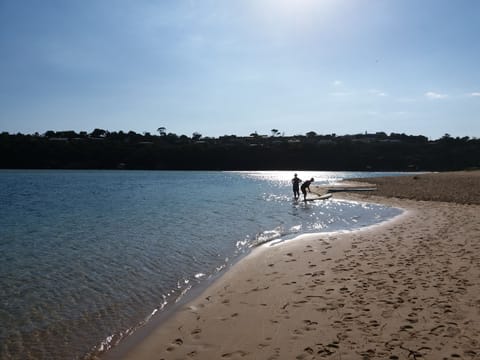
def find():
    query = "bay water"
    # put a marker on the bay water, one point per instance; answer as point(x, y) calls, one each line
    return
point(87, 257)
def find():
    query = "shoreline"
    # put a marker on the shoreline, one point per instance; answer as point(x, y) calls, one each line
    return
point(136, 337)
point(408, 287)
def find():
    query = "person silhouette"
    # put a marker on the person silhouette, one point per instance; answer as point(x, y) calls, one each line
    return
point(305, 187)
point(296, 186)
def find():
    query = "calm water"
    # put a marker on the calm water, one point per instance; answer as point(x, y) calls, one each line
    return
point(87, 256)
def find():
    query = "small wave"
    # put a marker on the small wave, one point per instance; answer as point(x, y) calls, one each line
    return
point(106, 344)
point(151, 315)
point(182, 282)
point(318, 226)
point(242, 244)
point(220, 268)
point(182, 293)
point(113, 340)
point(296, 228)
point(267, 236)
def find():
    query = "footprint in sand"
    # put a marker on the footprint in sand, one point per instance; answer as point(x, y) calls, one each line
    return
point(196, 333)
point(176, 343)
point(240, 353)
point(309, 325)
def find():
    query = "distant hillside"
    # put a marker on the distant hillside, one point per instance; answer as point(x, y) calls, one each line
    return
point(101, 149)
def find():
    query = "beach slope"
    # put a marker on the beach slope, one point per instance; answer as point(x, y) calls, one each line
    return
point(407, 289)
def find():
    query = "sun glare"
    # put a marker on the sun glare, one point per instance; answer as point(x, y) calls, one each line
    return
point(295, 6)
point(288, 8)
point(287, 15)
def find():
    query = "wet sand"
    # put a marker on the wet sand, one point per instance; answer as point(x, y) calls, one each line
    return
point(407, 289)
point(461, 187)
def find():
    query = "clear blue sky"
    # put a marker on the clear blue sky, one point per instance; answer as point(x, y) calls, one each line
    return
point(238, 66)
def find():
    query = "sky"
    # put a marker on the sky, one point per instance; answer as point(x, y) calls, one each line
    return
point(223, 67)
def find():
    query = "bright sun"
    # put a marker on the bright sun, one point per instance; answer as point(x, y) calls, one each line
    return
point(292, 13)
point(289, 7)
point(295, 5)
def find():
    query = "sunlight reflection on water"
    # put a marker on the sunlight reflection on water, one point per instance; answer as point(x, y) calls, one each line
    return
point(93, 254)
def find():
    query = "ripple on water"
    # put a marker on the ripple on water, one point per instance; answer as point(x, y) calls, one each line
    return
point(87, 256)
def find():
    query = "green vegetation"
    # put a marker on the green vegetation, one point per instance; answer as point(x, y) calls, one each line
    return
point(102, 149)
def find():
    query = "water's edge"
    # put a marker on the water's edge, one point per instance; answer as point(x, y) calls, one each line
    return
point(91, 260)
point(132, 340)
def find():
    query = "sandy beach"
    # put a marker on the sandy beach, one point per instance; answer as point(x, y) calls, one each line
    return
point(406, 289)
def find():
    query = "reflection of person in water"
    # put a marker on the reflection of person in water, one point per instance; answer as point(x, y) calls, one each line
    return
point(296, 186)
point(305, 187)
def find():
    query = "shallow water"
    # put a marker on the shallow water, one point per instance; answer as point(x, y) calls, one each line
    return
point(86, 256)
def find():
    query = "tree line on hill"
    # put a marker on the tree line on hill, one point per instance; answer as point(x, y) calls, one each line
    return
point(101, 149)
